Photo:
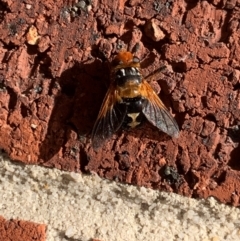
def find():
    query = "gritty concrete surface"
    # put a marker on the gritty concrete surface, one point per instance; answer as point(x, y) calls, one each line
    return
point(81, 207)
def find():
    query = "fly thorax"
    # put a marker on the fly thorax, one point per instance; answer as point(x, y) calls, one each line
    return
point(128, 81)
point(129, 74)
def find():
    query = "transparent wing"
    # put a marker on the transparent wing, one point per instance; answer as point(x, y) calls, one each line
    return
point(109, 120)
point(156, 112)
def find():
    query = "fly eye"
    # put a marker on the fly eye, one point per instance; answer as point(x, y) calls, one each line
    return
point(136, 60)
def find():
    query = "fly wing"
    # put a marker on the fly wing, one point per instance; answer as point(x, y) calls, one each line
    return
point(156, 112)
point(109, 120)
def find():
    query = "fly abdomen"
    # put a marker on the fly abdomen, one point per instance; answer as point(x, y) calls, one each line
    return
point(134, 114)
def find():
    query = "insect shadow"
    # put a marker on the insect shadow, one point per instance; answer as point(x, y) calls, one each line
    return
point(80, 93)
